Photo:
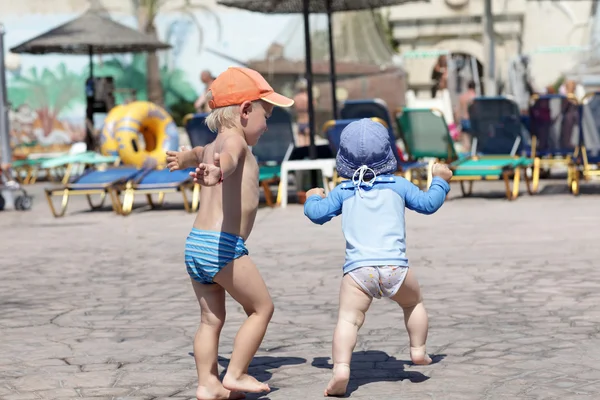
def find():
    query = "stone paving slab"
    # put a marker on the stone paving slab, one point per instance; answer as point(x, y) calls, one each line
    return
point(96, 306)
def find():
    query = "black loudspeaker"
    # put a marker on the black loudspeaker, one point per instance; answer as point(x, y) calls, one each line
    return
point(100, 94)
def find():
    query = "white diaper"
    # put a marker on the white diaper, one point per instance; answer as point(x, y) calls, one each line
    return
point(381, 281)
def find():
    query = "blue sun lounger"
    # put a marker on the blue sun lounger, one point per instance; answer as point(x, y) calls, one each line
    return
point(554, 127)
point(497, 141)
point(91, 183)
point(87, 159)
point(158, 182)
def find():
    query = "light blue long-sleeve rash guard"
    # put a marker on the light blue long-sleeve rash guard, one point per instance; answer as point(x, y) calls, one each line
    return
point(373, 216)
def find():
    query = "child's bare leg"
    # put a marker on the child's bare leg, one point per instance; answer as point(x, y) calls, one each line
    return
point(206, 342)
point(354, 303)
point(243, 282)
point(415, 317)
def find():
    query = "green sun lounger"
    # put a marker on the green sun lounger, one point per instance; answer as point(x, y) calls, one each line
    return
point(425, 134)
point(29, 167)
point(485, 168)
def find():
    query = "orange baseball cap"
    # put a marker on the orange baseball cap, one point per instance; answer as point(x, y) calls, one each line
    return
point(237, 85)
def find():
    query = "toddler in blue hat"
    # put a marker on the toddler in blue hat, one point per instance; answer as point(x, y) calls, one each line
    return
point(372, 203)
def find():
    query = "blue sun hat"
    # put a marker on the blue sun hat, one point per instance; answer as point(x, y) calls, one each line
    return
point(365, 149)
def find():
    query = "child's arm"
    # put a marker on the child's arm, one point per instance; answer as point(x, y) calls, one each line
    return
point(231, 152)
point(430, 201)
point(426, 202)
point(178, 160)
point(320, 209)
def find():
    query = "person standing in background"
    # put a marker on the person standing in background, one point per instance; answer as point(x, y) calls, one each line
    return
point(301, 109)
point(201, 104)
point(439, 75)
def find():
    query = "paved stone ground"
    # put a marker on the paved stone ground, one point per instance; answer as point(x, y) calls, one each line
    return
point(99, 306)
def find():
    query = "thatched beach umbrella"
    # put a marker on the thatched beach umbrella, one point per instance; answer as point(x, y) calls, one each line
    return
point(91, 33)
point(307, 7)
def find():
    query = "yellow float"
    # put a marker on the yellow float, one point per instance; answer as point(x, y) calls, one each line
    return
point(108, 144)
point(147, 121)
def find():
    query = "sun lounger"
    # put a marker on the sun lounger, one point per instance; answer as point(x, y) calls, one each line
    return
point(554, 128)
point(497, 139)
point(78, 161)
point(156, 182)
point(586, 163)
point(198, 132)
point(91, 183)
point(274, 148)
point(425, 134)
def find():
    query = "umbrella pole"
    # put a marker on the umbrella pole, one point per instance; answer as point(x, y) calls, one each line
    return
point(332, 75)
point(312, 149)
point(90, 94)
point(309, 82)
point(490, 48)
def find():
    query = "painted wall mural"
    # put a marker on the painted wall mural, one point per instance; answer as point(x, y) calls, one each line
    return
point(48, 104)
point(46, 92)
point(41, 100)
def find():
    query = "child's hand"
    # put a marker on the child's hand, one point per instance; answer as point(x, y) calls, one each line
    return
point(442, 171)
point(208, 174)
point(316, 191)
point(175, 159)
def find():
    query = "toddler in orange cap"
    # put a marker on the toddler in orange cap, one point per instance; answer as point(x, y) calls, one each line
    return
point(216, 257)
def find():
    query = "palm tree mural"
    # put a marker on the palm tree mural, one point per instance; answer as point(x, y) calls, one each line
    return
point(46, 94)
point(146, 12)
point(130, 73)
point(49, 92)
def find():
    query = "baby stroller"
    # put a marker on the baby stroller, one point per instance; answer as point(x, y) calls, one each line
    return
point(22, 201)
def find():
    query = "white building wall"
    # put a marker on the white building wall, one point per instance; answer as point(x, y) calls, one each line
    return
point(538, 24)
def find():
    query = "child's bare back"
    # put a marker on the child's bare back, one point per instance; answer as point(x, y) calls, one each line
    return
point(238, 194)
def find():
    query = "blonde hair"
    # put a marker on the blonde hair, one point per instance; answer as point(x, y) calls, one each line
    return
point(223, 117)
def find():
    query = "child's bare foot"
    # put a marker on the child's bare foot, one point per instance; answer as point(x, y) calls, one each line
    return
point(217, 393)
point(245, 383)
point(419, 356)
point(339, 381)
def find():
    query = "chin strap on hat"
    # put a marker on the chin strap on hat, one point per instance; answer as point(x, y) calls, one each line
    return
point(358, 182)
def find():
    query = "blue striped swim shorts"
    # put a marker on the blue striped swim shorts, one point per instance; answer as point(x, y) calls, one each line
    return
point(208, 252)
